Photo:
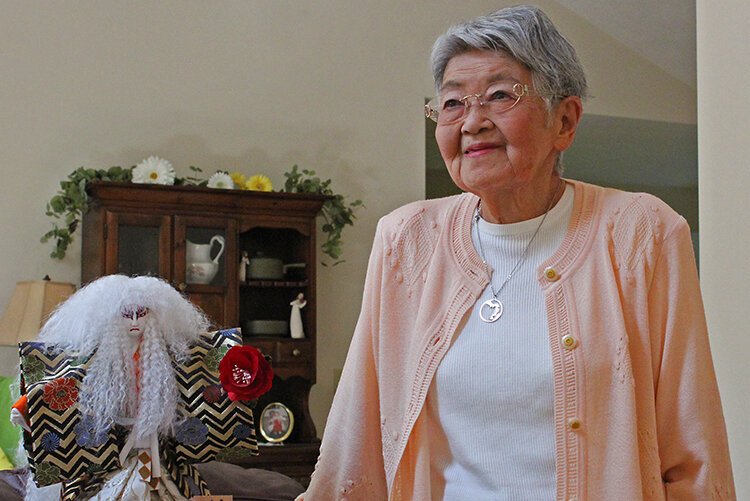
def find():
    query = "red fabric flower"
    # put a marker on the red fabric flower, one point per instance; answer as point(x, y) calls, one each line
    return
point(244, 373)
point(213, 394)
point(60, 393)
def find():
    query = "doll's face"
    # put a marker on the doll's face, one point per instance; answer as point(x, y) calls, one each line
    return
point(134, 320)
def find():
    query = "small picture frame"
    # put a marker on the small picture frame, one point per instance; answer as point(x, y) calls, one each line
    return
point(276, 422)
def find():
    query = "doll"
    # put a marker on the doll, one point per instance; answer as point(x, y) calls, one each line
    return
point(127, 391)
point(135, 328)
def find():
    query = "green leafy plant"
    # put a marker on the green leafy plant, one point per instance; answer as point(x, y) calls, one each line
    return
point(336, 212)
point(72, 201)
point(193, 179)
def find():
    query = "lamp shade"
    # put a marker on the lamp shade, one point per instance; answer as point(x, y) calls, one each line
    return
point(29, 307)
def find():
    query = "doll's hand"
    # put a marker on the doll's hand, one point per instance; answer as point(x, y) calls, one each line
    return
point(18, 413)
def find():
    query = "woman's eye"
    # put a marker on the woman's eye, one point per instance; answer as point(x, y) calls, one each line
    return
point(452, 103)
point(499, 95)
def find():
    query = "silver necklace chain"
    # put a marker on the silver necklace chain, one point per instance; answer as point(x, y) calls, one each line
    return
point(494, 305)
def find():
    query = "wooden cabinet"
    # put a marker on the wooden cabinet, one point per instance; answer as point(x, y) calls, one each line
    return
point(138, 229)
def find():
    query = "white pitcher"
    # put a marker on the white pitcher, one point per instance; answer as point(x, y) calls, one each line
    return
point(201, 253)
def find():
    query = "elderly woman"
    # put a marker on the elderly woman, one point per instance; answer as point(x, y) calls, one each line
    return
point(534, 338)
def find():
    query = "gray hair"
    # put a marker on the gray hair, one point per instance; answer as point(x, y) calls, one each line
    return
point(528, 35)
point(525, 33)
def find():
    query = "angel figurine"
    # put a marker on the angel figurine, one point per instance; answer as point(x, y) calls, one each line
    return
point(295, 320)
point(244, 263)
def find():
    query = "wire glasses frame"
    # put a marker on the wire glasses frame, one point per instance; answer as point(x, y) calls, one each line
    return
point(498, 99)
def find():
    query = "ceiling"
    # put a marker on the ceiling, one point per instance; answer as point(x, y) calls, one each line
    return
point(662, 31)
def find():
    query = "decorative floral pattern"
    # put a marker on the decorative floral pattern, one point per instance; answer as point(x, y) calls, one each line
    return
point(213, 393)
point(230, 454)
point(33, 369)
point(94, 468)
point(47, 474)
point(80, 360)
point(154, 170)
point(241, 431)
point(213, 357)
point(221, 180)
point(86, 435)
point(50, 441)
point(60, 393)
point(191, 432)
point(229, 332)
point(259, 183)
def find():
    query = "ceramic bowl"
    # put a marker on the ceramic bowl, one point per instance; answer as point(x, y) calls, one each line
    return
point(266, 327)
point(266, 267)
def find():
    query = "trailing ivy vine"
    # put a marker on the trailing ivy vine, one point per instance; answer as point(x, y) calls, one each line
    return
point(336, 212)
point(72, 201)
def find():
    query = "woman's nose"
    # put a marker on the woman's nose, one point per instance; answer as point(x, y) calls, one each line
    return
point(476, 119)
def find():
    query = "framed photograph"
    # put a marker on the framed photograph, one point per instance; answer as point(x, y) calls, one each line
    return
point(276, 422)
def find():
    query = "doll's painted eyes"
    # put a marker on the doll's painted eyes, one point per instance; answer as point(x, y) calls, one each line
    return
point(137, 311)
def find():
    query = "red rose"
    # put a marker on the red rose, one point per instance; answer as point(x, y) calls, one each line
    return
point(244, 373)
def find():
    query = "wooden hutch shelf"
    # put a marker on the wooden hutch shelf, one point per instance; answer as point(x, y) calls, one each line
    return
point(138, 229)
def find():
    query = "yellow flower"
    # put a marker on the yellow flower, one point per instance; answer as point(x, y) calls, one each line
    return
point(258, 183)
point(239, 179)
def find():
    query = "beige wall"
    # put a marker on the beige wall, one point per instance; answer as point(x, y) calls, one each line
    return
point(724, 178)
point(256, 86)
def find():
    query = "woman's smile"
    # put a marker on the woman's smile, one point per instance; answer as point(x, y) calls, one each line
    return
point(480, 149)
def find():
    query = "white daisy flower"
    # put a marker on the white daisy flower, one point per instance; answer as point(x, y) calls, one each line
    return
point(154, 170)
point(221, 180)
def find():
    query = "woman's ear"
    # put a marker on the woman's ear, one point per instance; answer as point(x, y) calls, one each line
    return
point(567, 115)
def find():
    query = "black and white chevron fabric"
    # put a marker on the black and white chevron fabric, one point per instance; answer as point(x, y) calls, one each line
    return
point(216, 427)
point(58, 446)
point(62, 447)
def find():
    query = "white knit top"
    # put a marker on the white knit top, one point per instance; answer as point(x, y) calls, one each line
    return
point(490, 406)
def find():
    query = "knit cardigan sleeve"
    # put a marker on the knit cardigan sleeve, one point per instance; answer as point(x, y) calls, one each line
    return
point(692, 440)
point(350, 466)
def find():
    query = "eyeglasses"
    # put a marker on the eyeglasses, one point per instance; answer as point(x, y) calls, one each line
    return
point(498, 98)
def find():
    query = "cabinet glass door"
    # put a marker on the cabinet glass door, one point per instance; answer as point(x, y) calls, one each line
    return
point(205, 265)
point(138, 244)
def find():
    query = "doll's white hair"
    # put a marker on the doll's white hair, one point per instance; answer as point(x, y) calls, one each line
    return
point(90, 320)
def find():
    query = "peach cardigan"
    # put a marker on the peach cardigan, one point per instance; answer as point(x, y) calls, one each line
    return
point(637, 409)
